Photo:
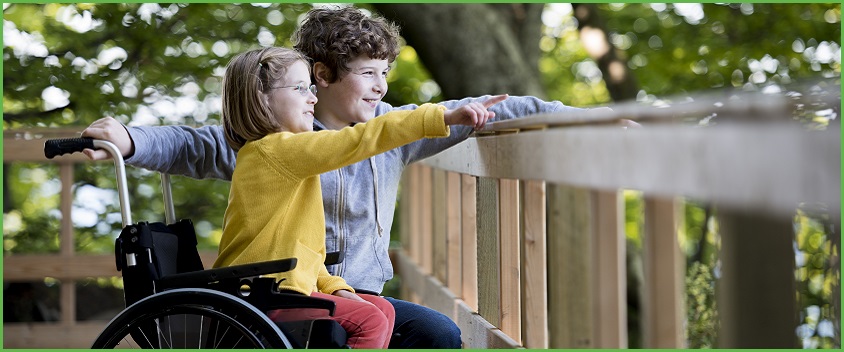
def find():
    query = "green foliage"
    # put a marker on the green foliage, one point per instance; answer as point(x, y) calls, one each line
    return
point(818, 277)
point(702, 313)
point(112, 59)
point(32, 226)
point(70, 64)
point(673, 49)
point(700, 241)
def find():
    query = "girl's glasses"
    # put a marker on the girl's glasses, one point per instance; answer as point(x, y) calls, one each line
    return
point(302, 89)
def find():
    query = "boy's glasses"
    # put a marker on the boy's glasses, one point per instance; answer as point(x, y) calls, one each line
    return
point(301, 88)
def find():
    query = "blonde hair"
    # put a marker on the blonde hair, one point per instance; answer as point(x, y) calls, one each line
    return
point(246, 116)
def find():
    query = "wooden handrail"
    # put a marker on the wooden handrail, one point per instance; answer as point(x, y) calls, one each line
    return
point(490, 231)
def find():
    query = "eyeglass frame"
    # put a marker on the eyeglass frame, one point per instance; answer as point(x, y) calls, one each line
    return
point(301, 89)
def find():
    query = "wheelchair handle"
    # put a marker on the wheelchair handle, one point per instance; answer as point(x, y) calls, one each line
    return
point(56, 147)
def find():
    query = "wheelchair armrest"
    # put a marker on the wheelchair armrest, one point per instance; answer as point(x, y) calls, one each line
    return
point(204, 277)
point(284, 300)
point(264, 294)
point(366, 292)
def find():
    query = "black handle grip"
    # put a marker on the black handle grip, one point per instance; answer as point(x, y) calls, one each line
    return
point(56, 147)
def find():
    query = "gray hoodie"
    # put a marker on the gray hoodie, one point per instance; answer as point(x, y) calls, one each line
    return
point(359, 199)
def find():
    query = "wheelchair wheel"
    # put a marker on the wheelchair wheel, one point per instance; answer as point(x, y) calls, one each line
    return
point(191, 318)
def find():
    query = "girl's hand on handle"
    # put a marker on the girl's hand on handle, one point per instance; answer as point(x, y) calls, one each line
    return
point(473, 114)
point(111, 130)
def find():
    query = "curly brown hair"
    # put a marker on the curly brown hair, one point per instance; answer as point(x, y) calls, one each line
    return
point(335, 36)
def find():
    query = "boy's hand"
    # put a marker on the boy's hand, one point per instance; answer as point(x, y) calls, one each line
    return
point(473, 114)
point(109, 129)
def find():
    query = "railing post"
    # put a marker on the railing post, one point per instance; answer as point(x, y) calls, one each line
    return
point(756, 293)
point(66, 242)
point(489, 277)
point(469, 229)
point(534, 265)
point(508, 216)
point(453, 234)
point(663, 310)
point(439, 224)
point(610, 270)
point(569, 262)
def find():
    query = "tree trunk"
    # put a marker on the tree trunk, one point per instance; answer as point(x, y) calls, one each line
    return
point(621, 83)
point(474, 49)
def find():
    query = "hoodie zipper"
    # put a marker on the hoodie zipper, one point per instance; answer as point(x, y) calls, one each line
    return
point(341, 237)
point(375, 184)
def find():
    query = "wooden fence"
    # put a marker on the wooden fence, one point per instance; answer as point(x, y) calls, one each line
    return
point(518, 234)
point(65, 266)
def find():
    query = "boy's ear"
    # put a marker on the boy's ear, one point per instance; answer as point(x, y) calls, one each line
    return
point(321, 74)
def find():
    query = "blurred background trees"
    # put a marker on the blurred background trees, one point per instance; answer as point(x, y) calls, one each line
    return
point(66, 65)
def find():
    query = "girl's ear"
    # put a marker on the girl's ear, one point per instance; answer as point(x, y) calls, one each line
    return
point(321, 74)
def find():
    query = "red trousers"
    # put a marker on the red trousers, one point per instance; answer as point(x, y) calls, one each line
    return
point(368, 324)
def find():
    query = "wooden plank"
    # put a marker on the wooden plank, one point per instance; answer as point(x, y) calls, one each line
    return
point(609, 270)
point(510, 273)
point(438, 221)
point(67, 290)
point(412, 277)
point(66, 241)
point(570, 314)
point(770, 166)
point(438, 297)
point(757, 255)
point(415, 234)
point(65, 268)
point(406, 208)
point(51, 335)
point(534, 266)
point(489, 277)
point(453, 234)
point(477, 333)
point(469, 229)
point(663, 310)
point(426, 220)
point(67, 302)
point(758, 106)
point(28, 145)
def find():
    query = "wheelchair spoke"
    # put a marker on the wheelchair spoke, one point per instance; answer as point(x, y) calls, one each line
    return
point(161, 333)
point(209, 319)
point(201, 325)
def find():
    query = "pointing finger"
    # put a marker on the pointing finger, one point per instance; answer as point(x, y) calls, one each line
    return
point(494, 100)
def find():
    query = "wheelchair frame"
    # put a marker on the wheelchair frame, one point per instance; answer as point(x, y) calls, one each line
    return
point(172, 302)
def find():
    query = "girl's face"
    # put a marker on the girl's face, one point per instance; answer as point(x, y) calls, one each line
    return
point(291, 101)
point(353, 97)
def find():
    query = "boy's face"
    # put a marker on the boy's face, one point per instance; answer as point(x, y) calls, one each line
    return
point(353, 97)
point(290, 100)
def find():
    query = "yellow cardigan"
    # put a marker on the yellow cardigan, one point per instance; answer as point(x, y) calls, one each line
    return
point(275, 203)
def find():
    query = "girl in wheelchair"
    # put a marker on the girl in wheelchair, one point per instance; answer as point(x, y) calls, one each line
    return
point(275, 203)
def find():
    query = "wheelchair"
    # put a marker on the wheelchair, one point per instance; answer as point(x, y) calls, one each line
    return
point(173, 302)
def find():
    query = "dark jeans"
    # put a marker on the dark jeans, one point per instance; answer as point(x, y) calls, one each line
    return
point(422, 327)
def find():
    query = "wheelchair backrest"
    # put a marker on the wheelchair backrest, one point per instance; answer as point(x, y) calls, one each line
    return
point(146, 252)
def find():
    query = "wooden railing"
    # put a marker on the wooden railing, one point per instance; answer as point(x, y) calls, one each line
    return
point(518, 234)
point(66, 266)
